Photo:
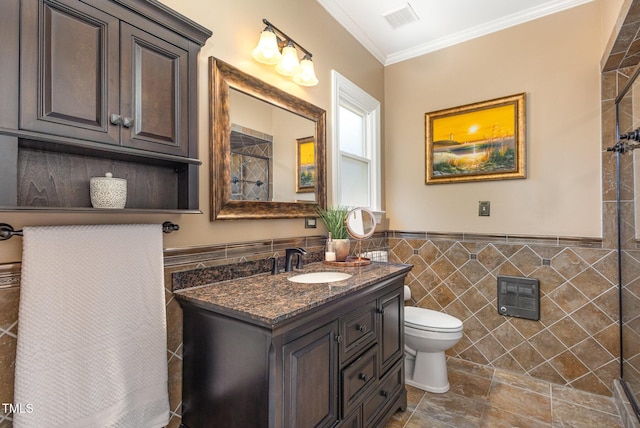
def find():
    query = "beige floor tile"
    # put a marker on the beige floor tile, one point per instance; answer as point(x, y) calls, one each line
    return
point(497, 418)
point(469, 367)
point(469, 385)
point(414, 395)
point(519, 401)
point(419, 420)
point(522, 381)
point(575, 396)
point(567, 415)
point(454, 409)
point(512, 400)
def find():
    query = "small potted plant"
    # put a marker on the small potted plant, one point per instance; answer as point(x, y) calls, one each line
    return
point(334, 219)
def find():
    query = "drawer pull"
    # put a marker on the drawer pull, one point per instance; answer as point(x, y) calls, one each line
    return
point(362, 327)
point(363, 377)
point(384, 393)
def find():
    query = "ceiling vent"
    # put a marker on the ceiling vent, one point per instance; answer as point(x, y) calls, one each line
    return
point(403, 16)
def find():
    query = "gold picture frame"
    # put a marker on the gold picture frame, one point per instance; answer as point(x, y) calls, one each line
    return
point(476, 142)
point(305, 165)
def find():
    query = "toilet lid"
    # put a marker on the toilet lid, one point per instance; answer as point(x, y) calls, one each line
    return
point(426, 319)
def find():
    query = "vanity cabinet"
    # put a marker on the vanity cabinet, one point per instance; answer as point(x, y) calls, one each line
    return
point(337, 364)
point(310, 371)
point(105, 85)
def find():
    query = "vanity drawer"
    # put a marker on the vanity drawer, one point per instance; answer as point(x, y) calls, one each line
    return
point(385, 392)
point(354, 420)
point(357, 378)
point(357, 330)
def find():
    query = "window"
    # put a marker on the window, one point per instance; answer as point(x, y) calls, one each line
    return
point(356, 150)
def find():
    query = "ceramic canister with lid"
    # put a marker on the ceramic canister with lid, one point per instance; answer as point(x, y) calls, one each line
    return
point(108, 192)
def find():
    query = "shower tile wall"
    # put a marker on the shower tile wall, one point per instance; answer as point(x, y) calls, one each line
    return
point(612, 84)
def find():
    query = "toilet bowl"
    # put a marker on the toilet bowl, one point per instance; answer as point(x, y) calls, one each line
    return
point(427, 334)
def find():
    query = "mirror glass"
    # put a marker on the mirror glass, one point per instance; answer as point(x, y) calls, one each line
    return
point(361, 223)
point(264, 147)
point(267, 149)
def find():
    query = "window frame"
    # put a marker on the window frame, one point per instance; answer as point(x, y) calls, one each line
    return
point(346, 93)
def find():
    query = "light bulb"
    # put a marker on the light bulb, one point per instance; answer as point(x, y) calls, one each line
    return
point(289, 64)
point(306, 76)
point(267, 51)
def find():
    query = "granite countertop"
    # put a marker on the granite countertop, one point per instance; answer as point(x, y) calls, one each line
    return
point(270, 299)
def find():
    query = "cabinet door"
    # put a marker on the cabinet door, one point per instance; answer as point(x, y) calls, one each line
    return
point(391, 329)
point(69, 70)
point(311, 379)
point(154, 90)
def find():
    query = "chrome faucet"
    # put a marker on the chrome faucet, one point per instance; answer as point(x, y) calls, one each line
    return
point(290, 252)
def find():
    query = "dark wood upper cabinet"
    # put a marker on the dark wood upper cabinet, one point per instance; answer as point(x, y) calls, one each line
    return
point(109, 83)
point(69, 70)
point(92, 77)
point(154, 91)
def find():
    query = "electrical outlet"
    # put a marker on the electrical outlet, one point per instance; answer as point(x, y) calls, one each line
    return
point(484, 208)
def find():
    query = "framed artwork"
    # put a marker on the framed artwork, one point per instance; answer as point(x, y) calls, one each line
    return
point(305, 165)
point(475, 142)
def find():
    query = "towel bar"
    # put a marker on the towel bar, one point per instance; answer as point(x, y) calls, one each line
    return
point(7, 231)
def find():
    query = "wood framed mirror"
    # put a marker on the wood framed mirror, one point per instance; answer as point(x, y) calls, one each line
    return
point(230, 91)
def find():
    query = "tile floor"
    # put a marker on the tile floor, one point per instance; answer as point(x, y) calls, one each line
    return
point(484, 397)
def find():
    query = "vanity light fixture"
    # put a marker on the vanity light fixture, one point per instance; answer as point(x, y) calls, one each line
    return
point(276, 48)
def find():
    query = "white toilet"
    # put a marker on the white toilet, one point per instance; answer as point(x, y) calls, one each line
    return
point(427, 334)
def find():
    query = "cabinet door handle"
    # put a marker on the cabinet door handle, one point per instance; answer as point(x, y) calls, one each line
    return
point(115, 119)
point(362, 327)
point(363, 377)
point(127, 122)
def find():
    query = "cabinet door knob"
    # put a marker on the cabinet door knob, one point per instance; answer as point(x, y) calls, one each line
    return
point(338, 339)
point(363, 377)
point(115, 119)
point(127, 122)
point(362, 327)
point(384, 393)
point(381, 311)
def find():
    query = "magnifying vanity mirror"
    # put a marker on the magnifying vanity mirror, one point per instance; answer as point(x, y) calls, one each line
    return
point(361, 224)
point(267, 149)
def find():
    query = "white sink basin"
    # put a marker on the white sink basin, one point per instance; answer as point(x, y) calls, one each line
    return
point(319, 277)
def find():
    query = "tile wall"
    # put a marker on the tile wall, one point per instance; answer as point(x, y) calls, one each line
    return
point(574, 343)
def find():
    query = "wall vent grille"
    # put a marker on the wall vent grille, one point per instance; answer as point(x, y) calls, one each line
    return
point(519, 297)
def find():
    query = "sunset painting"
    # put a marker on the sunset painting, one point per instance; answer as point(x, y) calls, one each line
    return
point(476, 142)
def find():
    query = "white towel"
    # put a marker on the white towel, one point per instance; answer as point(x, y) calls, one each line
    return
point(92, 328)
